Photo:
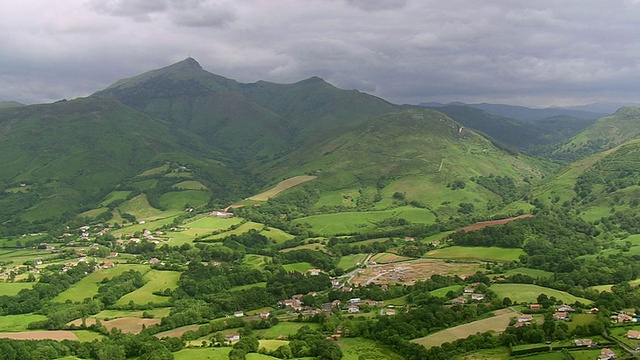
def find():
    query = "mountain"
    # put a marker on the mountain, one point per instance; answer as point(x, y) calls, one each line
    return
point(524, 113)
point(9, 104)
point(419, 153)
point(244, 120)
point(604, 134)
point(602, 107)
point(63, 158)
point(516, 133)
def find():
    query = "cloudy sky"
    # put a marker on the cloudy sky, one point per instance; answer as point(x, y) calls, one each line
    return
point(535, 53)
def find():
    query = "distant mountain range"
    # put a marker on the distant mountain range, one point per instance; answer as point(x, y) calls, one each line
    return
point(181, 137)
point(529, 114)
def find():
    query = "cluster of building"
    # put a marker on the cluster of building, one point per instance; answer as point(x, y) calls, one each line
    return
point(469, 293)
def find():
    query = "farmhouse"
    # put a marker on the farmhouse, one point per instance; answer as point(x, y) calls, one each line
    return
point(561, 316)
point(620, 318)
point(583, 342)
point(232, 337)
point(221, 214)
point(633, 334)
point(314, 272)
point(353, 309)
point(564, 308)
point(264, 315)
point(478, 297)
point(525, 318)
point(238, 314)
point(607, 354)
point(459, 300)
point(469, 291)
point(535, 307)
point(390, 312)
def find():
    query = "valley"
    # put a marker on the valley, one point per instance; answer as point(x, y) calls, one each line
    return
point(180, 214)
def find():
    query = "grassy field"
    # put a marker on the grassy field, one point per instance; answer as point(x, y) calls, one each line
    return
point(501, 353)
point(443, 291)
point(190, 185)
point(282, 186)
point(271, 345)
point(351, 261)
point(276, 235)
point(113, 314)
point(300, 266)
point(115, 195)
point(156, 280)
point(87, 336)
point(140, 208)
point(19, 257)
point(256, 261)
point(284, 328)
point(203, 354)
point(529, 293)
point(497, 323)
point(240, 230)
point(388, 258)
point(530, 272)
point(580, 319)
point(18, 322)
point(88, 286)
point(350, 222)
point(11, 289)
point(180, 200)
point(245, 287)
point(361, 348)
point(479, 253)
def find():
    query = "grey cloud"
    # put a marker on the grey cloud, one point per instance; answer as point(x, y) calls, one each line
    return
point(201, 15)
point(377, 5)
point(135, 9)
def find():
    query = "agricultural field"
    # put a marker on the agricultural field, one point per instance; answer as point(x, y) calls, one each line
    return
point(157, 313)
point(115, 195)
point(271, 345)
point(10, 289)
point(580, 319)
point(156, 280)
point(409, 272)
point(221, 353)
point(282, 186)
point(240, 230)
point(13, 257)
point(536, 273)
point(351, 261)
point(387, 258)
point(361, 348)
point(528, 293)
point(183, 199)
point(497, 323)
point(284, 328)
point(256, 261)
point(140, 208)
point(126, 324)
point(190, 185)
point(277, 235)
point(308, 246)
point(351, 222)
point(442, 292)
point(12, 323)
point(88, 286)
point(300, 266)
point(249, 286)
point(40, 335)
point(501, 353)
point(477, 253)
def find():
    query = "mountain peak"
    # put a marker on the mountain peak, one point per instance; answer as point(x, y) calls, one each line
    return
point(188, 63)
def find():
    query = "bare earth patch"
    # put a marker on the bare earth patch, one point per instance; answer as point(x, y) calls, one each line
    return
point(40, 335)
point(282, 186)
point(178, 332)
point(497, 323)
point(484, 224)
point(409, 272)
point(126, 324)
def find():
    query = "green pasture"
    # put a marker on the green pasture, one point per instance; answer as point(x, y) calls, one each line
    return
point(240, 230)
point(581, 319)
point(351, 222)
point(20, 256)
point(272, 345)
point(157, 313)
point(190, 185)
point(282, 186)
point(93, 212)
point(276, 235)
point(18, 322)
point(402, 300)
point(220, 353)
point(11, 289)
point(351, 261)
point(115, 195)
point(87, 336)
point(388, 258)
point(249, 286)
point(179, 200)
point(59, 200)
point(309, 246)
point(442, 292)
point(300, 266)
point(536, 273)
point(256, 261)
point(155, 171)
point(145, 184)
point(345, 197)
point(284, 328)
point(479, 253)
point(140, 208)
point(528, 293)
point(87, 287)
point(156, 280)
point(500, 353)
point(361, 348)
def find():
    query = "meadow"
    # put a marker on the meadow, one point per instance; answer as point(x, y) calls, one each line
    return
point(88, 286)
point(300, 266)
point(528, 293)
point(284, 328)
point(282, 186)
point(361, 348)
point(351, 222)
point(156, 280)
point(497, 323)
point(478, 253)
point(351, 261)
point(10, 289)
point(11, 323)
point(442, 292)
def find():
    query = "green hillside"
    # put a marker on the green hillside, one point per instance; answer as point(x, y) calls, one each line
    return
point(419, 156)
point(606, 133)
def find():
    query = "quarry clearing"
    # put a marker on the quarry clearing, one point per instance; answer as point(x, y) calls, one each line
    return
point(409, 272)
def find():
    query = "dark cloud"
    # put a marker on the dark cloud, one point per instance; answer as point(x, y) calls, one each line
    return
point(201, 15)
point(136, 9)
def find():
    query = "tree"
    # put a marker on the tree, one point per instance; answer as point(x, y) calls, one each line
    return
point(111, 352)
